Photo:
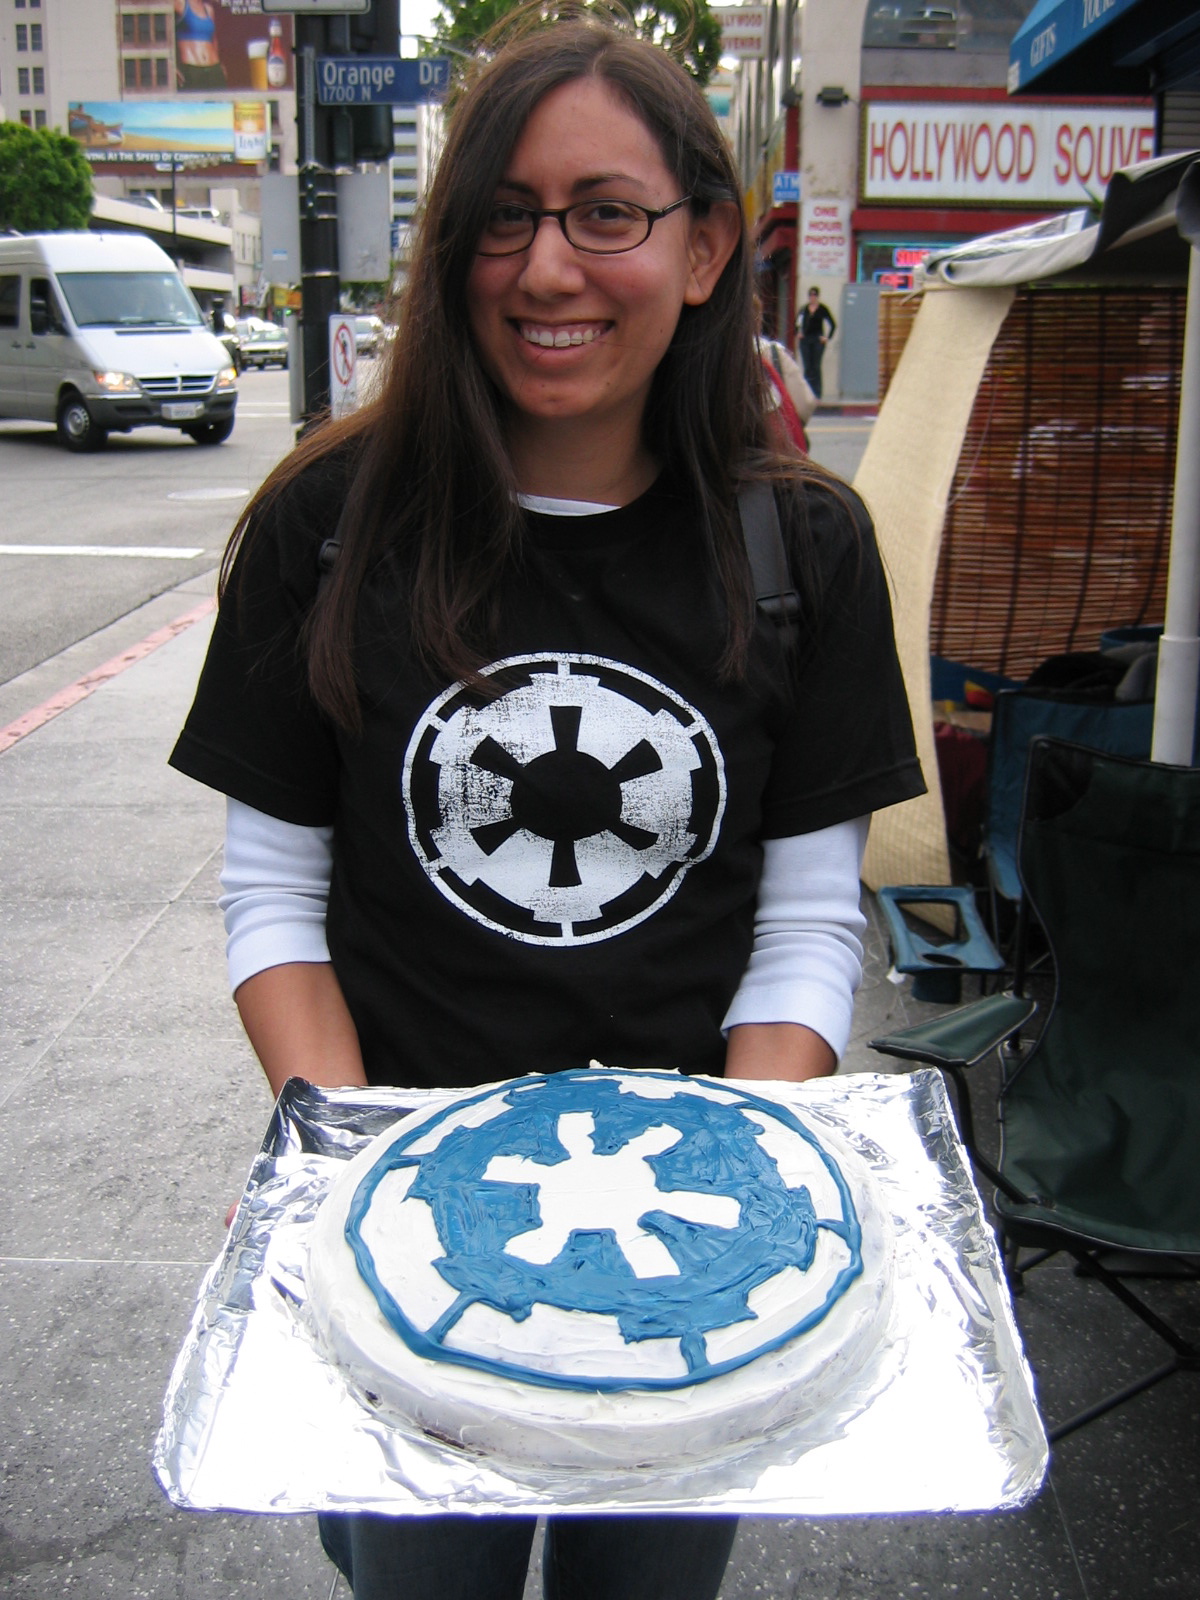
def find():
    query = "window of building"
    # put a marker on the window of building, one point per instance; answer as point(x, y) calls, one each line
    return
point(22, 80)
point(161, 76)
point(139, 72)
point(35, 36)
point(39, 119)
point(160, 27)
point(22, 36)
point(128, 29)
point(39, 80)
point(20, 4)
point(27, 119)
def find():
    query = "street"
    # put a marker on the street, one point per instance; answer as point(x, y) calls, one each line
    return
point(152, 490)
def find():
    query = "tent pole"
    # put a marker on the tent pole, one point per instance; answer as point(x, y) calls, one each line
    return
point(1179, 651)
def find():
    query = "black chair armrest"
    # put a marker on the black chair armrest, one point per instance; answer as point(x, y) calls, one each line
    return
point(960, 1038)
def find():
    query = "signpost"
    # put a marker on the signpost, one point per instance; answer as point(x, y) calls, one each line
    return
point(381, 80)
point(343, 366)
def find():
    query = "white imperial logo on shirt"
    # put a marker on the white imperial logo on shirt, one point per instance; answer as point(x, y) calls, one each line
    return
point(571, 805)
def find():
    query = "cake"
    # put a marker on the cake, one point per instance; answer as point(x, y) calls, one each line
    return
point(602, 1269)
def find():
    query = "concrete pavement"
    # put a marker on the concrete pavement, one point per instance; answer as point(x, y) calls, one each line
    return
point(130, 1107)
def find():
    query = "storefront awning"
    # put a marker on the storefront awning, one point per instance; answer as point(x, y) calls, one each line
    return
point(1102, 47)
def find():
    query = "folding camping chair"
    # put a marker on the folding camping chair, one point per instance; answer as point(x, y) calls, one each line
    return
point(1100, 1116)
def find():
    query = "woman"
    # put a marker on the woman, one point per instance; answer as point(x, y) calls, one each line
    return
point(525, 779)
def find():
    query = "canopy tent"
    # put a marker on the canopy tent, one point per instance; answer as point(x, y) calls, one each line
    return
point(918, 475)
point(1149, 225)
point(1106, 47)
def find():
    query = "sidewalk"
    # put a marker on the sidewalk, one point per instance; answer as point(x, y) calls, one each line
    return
point(130, 1107)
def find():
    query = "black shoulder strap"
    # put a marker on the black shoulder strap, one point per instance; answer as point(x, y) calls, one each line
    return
point(774, 592)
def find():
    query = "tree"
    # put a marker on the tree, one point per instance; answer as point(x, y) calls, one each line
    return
point(45, 180)
point(686, 26)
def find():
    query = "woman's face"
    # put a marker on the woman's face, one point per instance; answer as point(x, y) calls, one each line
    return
point(570, 336)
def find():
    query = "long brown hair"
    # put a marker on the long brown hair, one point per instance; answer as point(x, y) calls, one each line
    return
point(430, 480)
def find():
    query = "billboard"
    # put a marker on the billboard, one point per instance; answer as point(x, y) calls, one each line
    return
point(230, 44)
point(197, 132)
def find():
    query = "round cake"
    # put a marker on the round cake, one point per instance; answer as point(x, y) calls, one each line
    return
point(602, 1268)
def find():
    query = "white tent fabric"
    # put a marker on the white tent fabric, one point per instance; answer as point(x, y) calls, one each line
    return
point(905, 478)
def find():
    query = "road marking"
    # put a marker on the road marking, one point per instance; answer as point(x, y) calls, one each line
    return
point(155, 552)
point(91, 681)
point(208, 494)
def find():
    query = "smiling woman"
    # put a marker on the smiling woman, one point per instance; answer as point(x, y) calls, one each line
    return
point(518, 776)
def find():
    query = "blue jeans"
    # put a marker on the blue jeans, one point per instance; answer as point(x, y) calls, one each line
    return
point(487, 1558)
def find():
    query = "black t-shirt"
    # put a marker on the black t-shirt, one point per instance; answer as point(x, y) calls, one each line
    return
point(565, 870)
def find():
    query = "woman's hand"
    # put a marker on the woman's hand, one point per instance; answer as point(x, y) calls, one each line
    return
point(785, 1051)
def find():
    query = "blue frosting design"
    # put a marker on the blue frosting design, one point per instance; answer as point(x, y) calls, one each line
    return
point(717, 1154)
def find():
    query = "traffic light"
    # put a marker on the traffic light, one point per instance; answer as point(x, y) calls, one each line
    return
point(376, 32)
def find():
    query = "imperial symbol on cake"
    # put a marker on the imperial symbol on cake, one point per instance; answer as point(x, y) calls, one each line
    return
point(602, 1267)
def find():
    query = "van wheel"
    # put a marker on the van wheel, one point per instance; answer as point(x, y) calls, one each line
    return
point(76, 429)
point(210, 432)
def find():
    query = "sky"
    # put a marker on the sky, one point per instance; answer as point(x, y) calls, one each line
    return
point(416, 16)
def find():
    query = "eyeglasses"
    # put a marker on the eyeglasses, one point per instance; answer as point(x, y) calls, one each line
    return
point(599, 227)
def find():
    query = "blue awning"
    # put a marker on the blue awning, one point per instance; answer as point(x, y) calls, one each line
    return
point(1100, 47)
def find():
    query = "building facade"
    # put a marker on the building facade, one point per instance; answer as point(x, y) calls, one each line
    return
point(868, 134)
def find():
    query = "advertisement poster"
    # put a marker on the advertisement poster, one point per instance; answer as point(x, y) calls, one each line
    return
point(987, 153)
point(230, 44)
point(164, 130)
point(825, 239)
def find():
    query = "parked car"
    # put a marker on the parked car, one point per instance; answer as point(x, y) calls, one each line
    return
point(261, 344)
point(368, 335)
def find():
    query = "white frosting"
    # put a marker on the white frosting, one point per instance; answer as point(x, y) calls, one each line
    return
point(526, 1425)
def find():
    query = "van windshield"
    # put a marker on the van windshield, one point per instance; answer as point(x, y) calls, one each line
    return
point(129, 300)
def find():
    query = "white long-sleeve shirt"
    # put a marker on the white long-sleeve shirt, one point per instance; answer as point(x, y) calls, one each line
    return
point(805, 964)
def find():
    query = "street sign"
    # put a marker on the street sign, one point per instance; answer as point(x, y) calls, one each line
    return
point(343, 366)
point(302, 8)
point(785, 188)
point(381, 80)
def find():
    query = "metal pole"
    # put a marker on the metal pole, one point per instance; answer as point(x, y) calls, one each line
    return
point(1179, 650)
point(320, 285)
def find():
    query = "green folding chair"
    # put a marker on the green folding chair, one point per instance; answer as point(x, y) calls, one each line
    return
point(1100, 1115)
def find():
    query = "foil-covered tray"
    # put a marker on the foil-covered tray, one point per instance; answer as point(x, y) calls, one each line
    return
point(255, 1419)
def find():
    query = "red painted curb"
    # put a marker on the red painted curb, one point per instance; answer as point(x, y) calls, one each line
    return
point(91, 681)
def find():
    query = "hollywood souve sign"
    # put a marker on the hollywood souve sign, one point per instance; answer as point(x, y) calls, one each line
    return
point(983, 152)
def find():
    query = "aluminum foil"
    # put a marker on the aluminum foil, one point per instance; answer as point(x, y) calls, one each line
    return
point(943, 1419)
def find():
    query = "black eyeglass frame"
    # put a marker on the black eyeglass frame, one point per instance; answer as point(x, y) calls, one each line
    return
point(536, 214)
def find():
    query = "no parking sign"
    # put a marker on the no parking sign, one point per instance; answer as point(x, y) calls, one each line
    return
point(343, 366)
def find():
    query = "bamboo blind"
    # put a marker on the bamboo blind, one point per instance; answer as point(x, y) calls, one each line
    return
point(897, 312)
point(1059, 519)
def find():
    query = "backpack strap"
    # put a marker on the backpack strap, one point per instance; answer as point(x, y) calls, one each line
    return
point(774, 593)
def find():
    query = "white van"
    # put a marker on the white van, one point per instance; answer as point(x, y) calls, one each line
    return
point(98, 332)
